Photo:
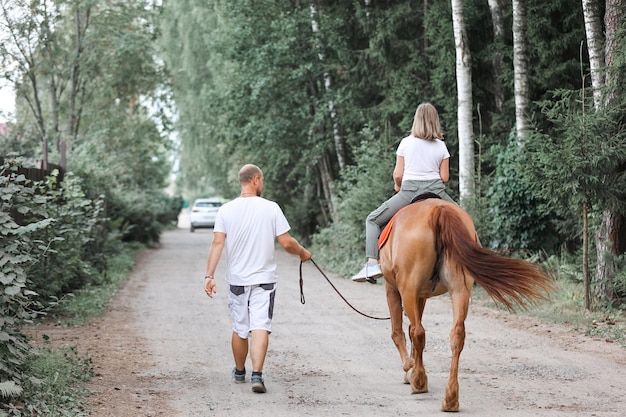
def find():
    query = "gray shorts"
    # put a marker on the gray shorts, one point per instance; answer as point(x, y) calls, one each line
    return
point(251, 308)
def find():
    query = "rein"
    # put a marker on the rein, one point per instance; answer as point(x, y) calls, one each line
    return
point(336, 290)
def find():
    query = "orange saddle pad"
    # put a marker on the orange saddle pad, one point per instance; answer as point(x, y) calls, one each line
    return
point(384, 235)
point(387, 229)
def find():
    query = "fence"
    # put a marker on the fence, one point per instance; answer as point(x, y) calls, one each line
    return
point(38, 174)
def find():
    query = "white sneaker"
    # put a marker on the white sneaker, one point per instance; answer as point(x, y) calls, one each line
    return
point(368, 273)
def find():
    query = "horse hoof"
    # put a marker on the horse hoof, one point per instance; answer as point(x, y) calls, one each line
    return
point(419, 391)
point(450, 408)
point(407, 377)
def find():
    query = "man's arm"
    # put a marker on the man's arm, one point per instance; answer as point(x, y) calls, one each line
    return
point(214, 256)
point(292, 246)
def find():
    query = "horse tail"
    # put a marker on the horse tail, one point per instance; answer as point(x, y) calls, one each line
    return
point(507, 280)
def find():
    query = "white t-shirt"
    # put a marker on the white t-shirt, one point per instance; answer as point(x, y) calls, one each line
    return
point(251, 225)
point(422, 158)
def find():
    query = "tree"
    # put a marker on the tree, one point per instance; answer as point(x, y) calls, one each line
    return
point(605, 82)
point(317, 41)
point(586, 176)
point(520, 65)
point(60, 54)
point(497, 62)
point(48, 68)
point(464, 97)
point(593, 30)
point(608, 237)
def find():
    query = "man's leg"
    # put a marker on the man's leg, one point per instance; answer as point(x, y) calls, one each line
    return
point(240, 351)
point(258, 349)
point(261, 312)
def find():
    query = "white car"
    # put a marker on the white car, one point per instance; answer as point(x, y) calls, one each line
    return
point(203, 213)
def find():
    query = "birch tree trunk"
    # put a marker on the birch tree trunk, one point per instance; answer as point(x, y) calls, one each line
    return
point(520, 68)
point(593, 30)
point(324, 167)
point(77, 82)
point(497, 19)
point(464, 104)
point(338, 139)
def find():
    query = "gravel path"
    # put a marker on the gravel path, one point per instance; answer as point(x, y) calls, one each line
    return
point(163, 349)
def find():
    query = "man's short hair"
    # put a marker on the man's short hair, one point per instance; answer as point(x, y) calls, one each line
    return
point(248, 172)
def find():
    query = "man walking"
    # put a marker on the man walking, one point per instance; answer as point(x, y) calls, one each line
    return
point(248, 226)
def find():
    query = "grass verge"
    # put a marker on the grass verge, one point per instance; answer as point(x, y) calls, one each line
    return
point(566, 306)
point(80, 308)
point(59, 375)
point(56, 386)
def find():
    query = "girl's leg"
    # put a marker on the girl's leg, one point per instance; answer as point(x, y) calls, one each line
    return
point(377, 220)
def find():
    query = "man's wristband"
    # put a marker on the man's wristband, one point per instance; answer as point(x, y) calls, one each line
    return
point(208, 277)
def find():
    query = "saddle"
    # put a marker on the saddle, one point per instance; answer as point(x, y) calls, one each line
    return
point(384, 235)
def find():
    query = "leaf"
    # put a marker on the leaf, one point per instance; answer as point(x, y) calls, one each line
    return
point(7, 278)
point(10, 389)
point(12, 290)
point(42, 224)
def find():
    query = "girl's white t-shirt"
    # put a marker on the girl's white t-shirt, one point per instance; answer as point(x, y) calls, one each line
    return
point(422, 158)
point(251, 225)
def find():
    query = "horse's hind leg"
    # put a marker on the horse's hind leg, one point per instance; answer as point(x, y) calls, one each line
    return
point(397, 332)
point(460, 305)
point(419, 379)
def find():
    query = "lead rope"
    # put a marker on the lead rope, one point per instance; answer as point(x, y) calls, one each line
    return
point(336, 290)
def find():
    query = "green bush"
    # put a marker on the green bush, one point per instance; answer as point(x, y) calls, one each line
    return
point(141, 217)
point(518, 218)
point(17, 247)
point(167, 209)
point(65, 264)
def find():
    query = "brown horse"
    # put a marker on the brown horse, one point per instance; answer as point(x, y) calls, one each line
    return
point(432, 249)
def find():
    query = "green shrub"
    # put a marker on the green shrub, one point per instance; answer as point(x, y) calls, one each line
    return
point(17, 247)
point(141, 217)
point(517, 219)
point(66, 264)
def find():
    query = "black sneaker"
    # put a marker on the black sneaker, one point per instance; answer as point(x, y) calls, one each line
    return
point(257, 384)
point(239, 377)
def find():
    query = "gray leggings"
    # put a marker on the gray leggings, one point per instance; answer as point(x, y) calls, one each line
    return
point(378, 218)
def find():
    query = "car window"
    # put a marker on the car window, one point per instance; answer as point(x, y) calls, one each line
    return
point(208, 204)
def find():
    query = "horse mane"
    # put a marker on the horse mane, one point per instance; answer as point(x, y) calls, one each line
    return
point(508, 281)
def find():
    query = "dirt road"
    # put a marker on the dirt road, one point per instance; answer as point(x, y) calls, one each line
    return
point(164, 350)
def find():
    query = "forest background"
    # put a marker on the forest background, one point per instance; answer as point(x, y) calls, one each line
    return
point(131, 98)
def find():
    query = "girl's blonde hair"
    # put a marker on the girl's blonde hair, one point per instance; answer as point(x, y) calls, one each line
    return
point(426, 123)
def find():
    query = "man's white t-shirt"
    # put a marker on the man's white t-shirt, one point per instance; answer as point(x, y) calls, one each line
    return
point(422, 158)
point(251, 225)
